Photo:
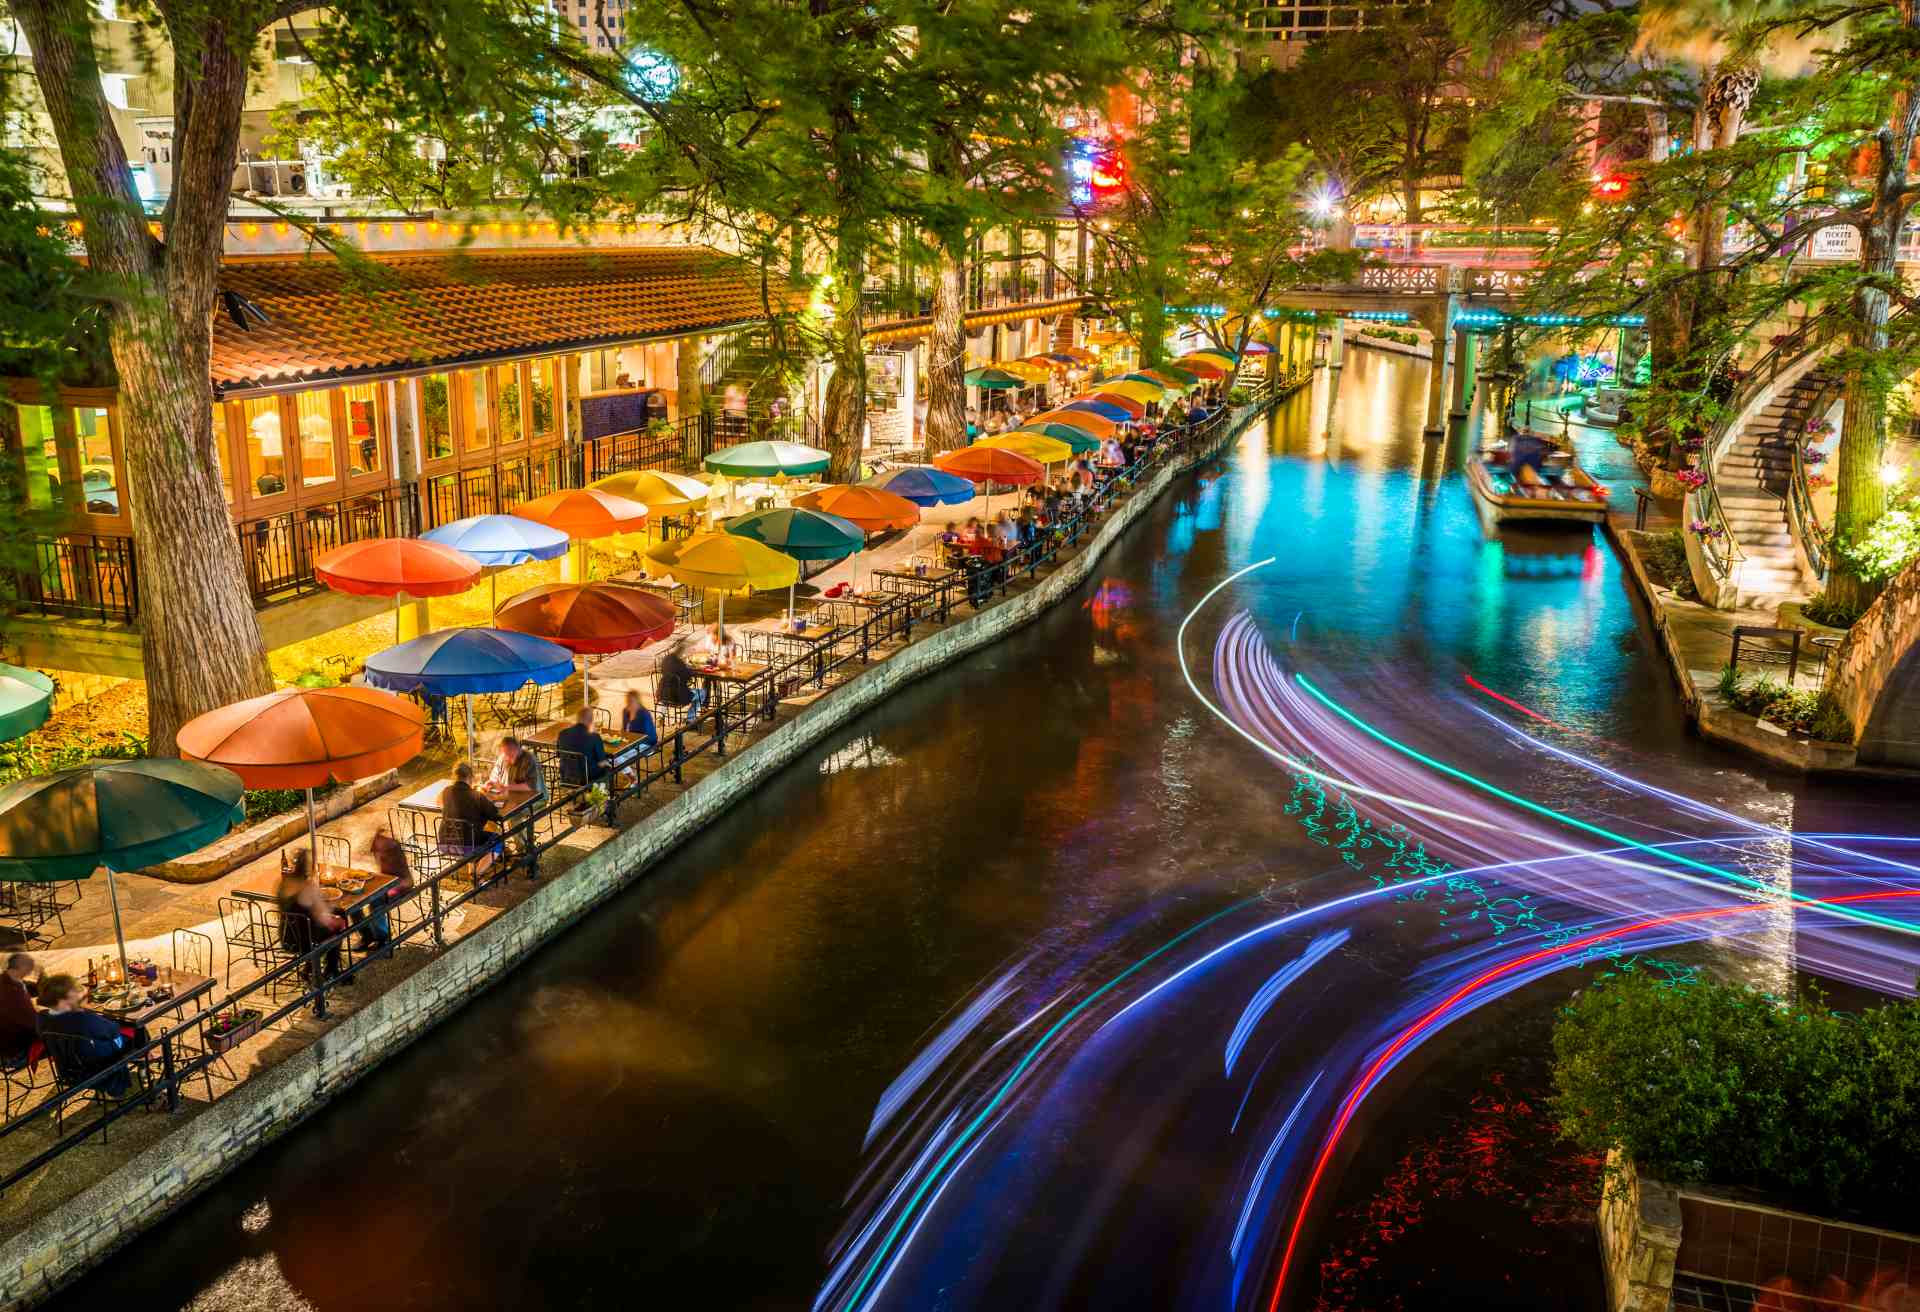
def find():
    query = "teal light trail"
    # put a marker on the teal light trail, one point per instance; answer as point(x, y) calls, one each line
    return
point(1866, 917)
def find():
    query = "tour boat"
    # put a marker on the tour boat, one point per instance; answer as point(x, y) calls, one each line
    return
point(1545, 486)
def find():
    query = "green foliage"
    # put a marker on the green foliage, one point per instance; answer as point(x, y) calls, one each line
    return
point(260, 803)
point(1665, 556)
point(1884, 547)
point(1816, 714)
point(1722, 1084)
point(1835, 612)
point(24, 757)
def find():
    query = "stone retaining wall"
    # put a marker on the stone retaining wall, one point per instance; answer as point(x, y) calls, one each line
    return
point(1639, 1223)
point(67, 1240)
point(1876, 676)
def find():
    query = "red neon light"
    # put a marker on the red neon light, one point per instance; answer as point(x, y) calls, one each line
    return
point(1478, 686)
point(1359, 1091)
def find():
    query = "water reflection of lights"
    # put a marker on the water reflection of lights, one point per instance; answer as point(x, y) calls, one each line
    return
point(1501, 891)
point(859, 754)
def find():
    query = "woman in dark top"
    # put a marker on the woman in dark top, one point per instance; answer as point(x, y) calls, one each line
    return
point(307, 917)
point(676, 686)
point(82, 1043)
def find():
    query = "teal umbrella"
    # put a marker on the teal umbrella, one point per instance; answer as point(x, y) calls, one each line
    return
point(1079, 439)
point(26, 699)
point(801, 533)
point(995, 379)
point(767, 459)
point(116, 815)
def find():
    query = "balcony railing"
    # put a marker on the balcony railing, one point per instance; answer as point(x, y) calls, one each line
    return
point(80, 576)
point(497, 488)
point(278, 550)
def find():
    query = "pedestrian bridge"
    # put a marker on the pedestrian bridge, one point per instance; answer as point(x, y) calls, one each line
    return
point(1876, 675)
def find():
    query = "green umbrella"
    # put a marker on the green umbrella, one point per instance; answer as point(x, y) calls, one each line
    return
point(767, 459)
point(801, 533)
point(120, 815)
point(1081, 441)
point(26, 699)
point(994, 378)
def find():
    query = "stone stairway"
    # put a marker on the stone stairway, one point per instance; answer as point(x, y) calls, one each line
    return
point(1753, 479)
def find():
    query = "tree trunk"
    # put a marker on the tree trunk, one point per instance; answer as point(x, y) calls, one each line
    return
point(201, 642)
point(947, 358)
point(844, 416)
point(688, 399)
point(1860, 495)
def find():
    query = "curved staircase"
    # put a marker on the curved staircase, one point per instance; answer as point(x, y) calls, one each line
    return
point(1754, 477)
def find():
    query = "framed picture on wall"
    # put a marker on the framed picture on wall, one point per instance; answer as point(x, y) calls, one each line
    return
point(885, 373)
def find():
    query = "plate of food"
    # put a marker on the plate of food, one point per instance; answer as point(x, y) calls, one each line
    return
point(351, 886)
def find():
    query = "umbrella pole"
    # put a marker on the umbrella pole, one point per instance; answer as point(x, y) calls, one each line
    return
point(468, 702)
point(396, 618)
point(586, 681)
point(119, 934)
point(313, 843)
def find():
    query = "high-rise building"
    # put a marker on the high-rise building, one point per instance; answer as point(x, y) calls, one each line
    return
point(602, 24)
point(1283, 26)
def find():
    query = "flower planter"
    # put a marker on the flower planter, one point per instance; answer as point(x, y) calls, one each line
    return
point(245, 1025)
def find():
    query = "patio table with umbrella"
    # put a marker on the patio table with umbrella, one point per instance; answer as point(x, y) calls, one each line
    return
point(804, 534)
point(499, 540)
point(994, 380)
point(307, 738)
point(726, 561)
point(462, 662)
point(1047, 450)
point(1102, 409)
point(26, 700)
point(1163, 379)
point(1078, 441)
point(1145, 391)
point(925, 486)
point(661, 492)
point(1134, 406)
point(114, 816)
point(584, 514)
point(389, 567)
point(590, 619)
point(872, 509)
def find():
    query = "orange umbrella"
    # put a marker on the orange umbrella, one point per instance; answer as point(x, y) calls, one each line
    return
point(1195, 364)
point(387, 567)
point(987, 464)
point(1127, 403)
point(873, 509)
point(583, 513)
point(306, 737)
point(1084, 420)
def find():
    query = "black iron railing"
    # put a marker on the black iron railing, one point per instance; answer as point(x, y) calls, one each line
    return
point(161, 1067)
point(278, 550)
point(81, 576)
point(677, 448)
point(497, 488)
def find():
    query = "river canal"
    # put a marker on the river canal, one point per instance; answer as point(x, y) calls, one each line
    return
point(1064, 979)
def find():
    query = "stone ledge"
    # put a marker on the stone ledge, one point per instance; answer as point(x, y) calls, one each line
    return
point(73, 1236)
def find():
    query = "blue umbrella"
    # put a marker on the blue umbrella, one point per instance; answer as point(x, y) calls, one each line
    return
point(929, 487)
point(26, 699)
point(468, 661)
point(501, 539)
point(1117, 414)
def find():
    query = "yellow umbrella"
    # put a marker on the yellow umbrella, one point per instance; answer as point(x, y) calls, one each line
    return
point(726, 561)
point(657, 490)
point(1135, 390)
point(1047, 450)
point(1218, 359)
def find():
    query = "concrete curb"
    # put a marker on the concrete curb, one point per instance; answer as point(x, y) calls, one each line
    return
point(79, 1233)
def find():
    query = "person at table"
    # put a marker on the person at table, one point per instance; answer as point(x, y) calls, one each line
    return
point(676, 686)
point(19, 1021)
point(515, 769)
point(389, 859)
point(84, 1042)
point(1111, 455)
point(465, 813)
point(716, 645)
point(583, 752)
point(308, 916)
point(637, 720)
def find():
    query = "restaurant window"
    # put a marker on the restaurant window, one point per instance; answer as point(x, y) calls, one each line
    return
point(99, 472)
point(436, 417)
point(266, 452)
point(41, 455)
point(470, 393)
point(318, 461)
point(366, 445)
point(506, 390)
point(543, 399)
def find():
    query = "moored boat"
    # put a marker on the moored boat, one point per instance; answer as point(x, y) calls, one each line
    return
point(1532, 481)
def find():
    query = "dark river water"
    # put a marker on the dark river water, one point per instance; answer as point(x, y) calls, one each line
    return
point(1017, 994)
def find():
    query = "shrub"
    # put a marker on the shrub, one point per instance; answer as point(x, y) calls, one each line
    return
point(1665, 556)
point(24, 759)
point(1822, 608)
point(1720, 1083)
point(1816, 714)
point(263, 802)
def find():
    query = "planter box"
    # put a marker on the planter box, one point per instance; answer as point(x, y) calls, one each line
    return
point(227, 1040)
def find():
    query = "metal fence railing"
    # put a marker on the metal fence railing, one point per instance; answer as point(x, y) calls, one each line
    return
point(80, 576)
point(162, 1066)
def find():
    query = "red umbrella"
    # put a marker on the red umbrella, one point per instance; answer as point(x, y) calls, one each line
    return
point(387, 567)
point(306, 737)
point(589, 617)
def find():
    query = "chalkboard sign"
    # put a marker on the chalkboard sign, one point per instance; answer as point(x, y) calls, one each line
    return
point(623, 411)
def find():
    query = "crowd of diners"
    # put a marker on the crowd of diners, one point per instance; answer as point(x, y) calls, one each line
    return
point(1203, 402)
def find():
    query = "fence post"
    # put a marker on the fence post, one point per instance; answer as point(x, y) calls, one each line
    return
point(438, 915)
point(166, 1071)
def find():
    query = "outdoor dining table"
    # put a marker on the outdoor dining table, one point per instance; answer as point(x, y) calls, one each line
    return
point(347, 888)
point(622, 748)
point(882, 604)
point(426, 801)
point(814, 638)
point(184, 988)
point(736, 674)
point(930, 581)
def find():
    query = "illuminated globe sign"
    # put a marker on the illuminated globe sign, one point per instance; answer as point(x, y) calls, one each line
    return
point(654, 78)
